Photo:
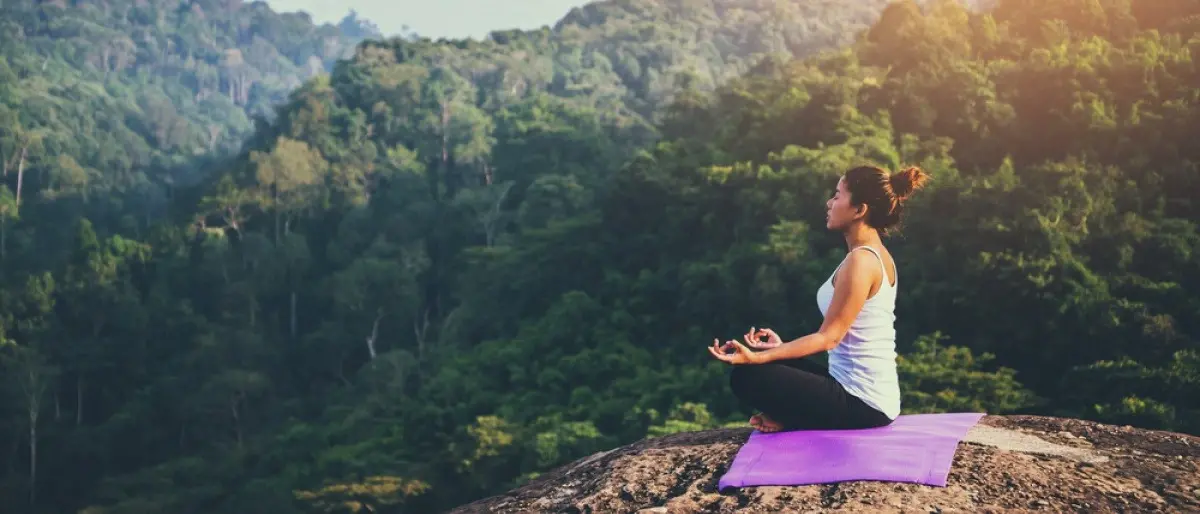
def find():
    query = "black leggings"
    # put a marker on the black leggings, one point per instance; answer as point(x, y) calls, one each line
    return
point(800, 394)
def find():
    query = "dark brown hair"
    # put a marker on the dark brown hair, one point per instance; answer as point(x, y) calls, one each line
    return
point(883, 193)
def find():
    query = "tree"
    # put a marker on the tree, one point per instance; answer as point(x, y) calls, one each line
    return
point(288, 177)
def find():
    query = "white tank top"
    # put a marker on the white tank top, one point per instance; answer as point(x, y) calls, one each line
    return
point(864, 362)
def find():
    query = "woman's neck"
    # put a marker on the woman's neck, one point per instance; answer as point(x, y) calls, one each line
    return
point(859, 234)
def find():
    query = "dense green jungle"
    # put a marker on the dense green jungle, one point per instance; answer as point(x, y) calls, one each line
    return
point(251, 263)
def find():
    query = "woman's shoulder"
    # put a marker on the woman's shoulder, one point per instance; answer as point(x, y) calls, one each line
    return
point(865, 258)
point(863, 265)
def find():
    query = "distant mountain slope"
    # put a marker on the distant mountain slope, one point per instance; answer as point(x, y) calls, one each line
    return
point(647, 44)
point(209, 263)
point(105, 106)
point(107, 97)
point(633, 56)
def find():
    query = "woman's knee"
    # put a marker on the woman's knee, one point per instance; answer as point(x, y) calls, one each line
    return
point(741, 378)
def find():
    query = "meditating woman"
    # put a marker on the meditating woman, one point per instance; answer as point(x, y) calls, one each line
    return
point(859, 388)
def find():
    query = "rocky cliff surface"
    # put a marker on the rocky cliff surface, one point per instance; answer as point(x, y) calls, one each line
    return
point(1005, 464)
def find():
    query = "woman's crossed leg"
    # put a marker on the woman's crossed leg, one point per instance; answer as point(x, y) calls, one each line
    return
point(799, 394)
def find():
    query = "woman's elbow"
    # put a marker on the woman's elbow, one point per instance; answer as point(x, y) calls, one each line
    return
point(830, 340)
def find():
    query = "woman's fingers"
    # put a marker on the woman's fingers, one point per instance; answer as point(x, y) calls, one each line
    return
point(772, 337)
point(718, 350)
point(721, 347)
point(730, 347)
point(735, 352)
point(739, 350)
point(752, 339)
point(740, 354)
point(715, 353)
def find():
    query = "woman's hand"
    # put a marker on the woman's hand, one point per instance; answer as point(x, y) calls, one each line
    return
point(739, 355)
point(754, 339)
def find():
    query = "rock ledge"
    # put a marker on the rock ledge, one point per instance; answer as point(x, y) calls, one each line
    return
point(1005, 464)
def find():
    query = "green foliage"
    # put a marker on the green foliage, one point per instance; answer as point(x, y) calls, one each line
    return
point(434, 270)
point(1128, 392)
point(564, 439)
point(370, 495)
point(686, 417)
point(937, 378)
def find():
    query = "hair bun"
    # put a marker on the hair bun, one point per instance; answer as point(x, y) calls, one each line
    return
point(906, 181)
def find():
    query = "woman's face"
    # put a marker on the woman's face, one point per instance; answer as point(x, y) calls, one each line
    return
point(839, 212)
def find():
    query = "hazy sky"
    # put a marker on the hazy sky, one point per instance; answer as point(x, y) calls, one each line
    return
point(438, 18)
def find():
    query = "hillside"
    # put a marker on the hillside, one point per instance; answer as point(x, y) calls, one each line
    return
point(653, 49)
point(445, 268)
point(623, 60)
point(142, 290)
point(1024, 463)
point(106, 107)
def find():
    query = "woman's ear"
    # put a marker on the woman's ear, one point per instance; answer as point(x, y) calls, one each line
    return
point(861, 211)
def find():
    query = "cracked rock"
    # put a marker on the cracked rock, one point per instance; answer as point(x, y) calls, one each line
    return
point(1007, 463)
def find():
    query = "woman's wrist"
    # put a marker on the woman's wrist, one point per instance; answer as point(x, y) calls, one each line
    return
point(795, 349)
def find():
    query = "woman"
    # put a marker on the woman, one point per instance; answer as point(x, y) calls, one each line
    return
point(860, 388)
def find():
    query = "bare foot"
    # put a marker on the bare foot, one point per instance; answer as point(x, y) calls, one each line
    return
point(765, 424)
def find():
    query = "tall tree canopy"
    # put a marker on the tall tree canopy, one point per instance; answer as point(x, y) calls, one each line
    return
point(442, 267)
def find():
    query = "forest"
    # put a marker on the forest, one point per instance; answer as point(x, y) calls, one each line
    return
point(251, 263)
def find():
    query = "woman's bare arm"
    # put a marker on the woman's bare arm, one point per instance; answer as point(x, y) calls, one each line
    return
point(850, 290)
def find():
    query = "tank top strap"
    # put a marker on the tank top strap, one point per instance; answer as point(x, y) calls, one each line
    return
point(882, 264)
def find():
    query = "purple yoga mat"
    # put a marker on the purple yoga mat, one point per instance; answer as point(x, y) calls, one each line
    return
point(916, 448)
